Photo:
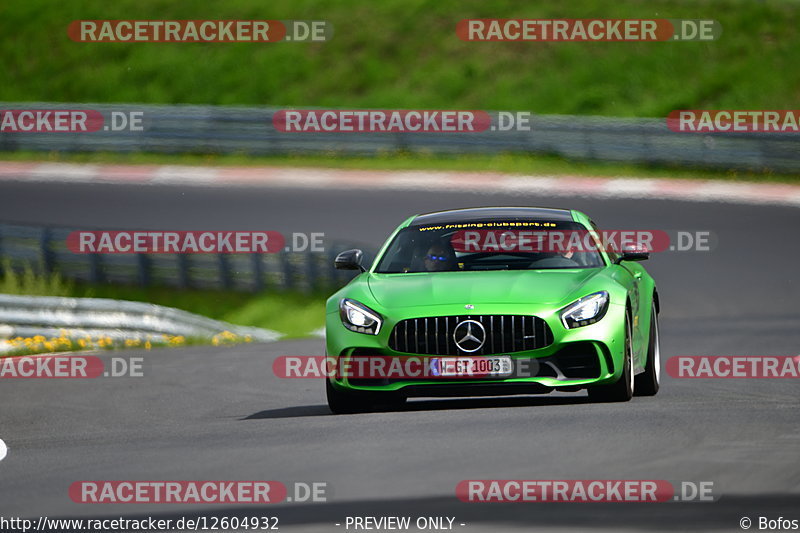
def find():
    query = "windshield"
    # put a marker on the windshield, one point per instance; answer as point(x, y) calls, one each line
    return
point(491, 245)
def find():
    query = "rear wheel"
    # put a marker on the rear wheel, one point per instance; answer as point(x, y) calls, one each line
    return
point(622, 390)
point(649, 381)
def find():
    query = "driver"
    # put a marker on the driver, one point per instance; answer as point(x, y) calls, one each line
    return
point(439, 257)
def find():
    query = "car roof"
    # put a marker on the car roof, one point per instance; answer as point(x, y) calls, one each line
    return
point(483, 214)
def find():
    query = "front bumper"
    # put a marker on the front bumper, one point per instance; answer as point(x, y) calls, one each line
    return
point(577, 358)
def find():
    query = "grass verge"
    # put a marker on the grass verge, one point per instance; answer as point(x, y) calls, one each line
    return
point(292, 313)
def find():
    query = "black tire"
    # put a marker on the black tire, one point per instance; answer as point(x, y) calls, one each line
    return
point(349, 402)
point(344, 403)
point(622, 390)
point(649, 381)
point(390, 402)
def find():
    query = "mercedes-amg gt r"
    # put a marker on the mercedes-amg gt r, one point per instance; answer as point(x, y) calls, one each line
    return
point(493, 301)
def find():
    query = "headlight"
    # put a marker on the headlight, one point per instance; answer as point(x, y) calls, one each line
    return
point(585, 311)
point(359, 318)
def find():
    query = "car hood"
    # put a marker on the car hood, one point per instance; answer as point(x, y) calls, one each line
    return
point(499, 287)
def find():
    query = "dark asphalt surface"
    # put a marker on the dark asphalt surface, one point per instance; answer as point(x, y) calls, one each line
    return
point(219, 413)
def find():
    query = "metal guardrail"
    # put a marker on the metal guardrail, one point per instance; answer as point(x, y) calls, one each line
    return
point(249, 130)
point(44, 249)
point(28, 316)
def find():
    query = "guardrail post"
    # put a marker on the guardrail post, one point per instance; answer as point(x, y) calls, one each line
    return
point(47, 253)
point(311, 271)
point(258, 272)
point(183, 271)
point(224, 271)
point(143, 262)
point(332, 277)
point(288, 270)
point(95, 268)
point(644, 135)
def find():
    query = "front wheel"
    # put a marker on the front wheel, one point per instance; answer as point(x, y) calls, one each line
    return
point(343, 402)
point(622, 390)
point(649, 381)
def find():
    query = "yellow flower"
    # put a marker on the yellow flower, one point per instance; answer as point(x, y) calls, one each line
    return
point(147, 345)
point(177, 339)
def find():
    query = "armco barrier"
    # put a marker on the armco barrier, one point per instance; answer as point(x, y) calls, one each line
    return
point(28, 316)
point(45, 250)
point(245, 130)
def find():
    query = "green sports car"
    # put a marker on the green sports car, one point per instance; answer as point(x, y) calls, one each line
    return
point(493, 301)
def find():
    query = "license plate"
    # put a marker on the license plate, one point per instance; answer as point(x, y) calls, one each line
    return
point(471, 367)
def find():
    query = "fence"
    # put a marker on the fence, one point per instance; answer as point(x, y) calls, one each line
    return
point(45, 250)
point(218, 129)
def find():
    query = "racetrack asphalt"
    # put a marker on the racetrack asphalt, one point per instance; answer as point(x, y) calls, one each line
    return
point(218, 413)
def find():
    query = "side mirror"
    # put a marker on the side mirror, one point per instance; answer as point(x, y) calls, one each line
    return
point(349, 260)
point(634, 253)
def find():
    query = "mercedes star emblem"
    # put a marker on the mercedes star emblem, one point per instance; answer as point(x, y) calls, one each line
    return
point(469, 335)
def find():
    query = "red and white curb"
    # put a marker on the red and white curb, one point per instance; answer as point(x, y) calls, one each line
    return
point(483, 182)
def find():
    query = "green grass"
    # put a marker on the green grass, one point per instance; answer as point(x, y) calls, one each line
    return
point(29, 283)
point(527, 164)
point(291, 313)
point(405, 54)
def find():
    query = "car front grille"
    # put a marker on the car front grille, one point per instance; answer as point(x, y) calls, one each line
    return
point(503, 334)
